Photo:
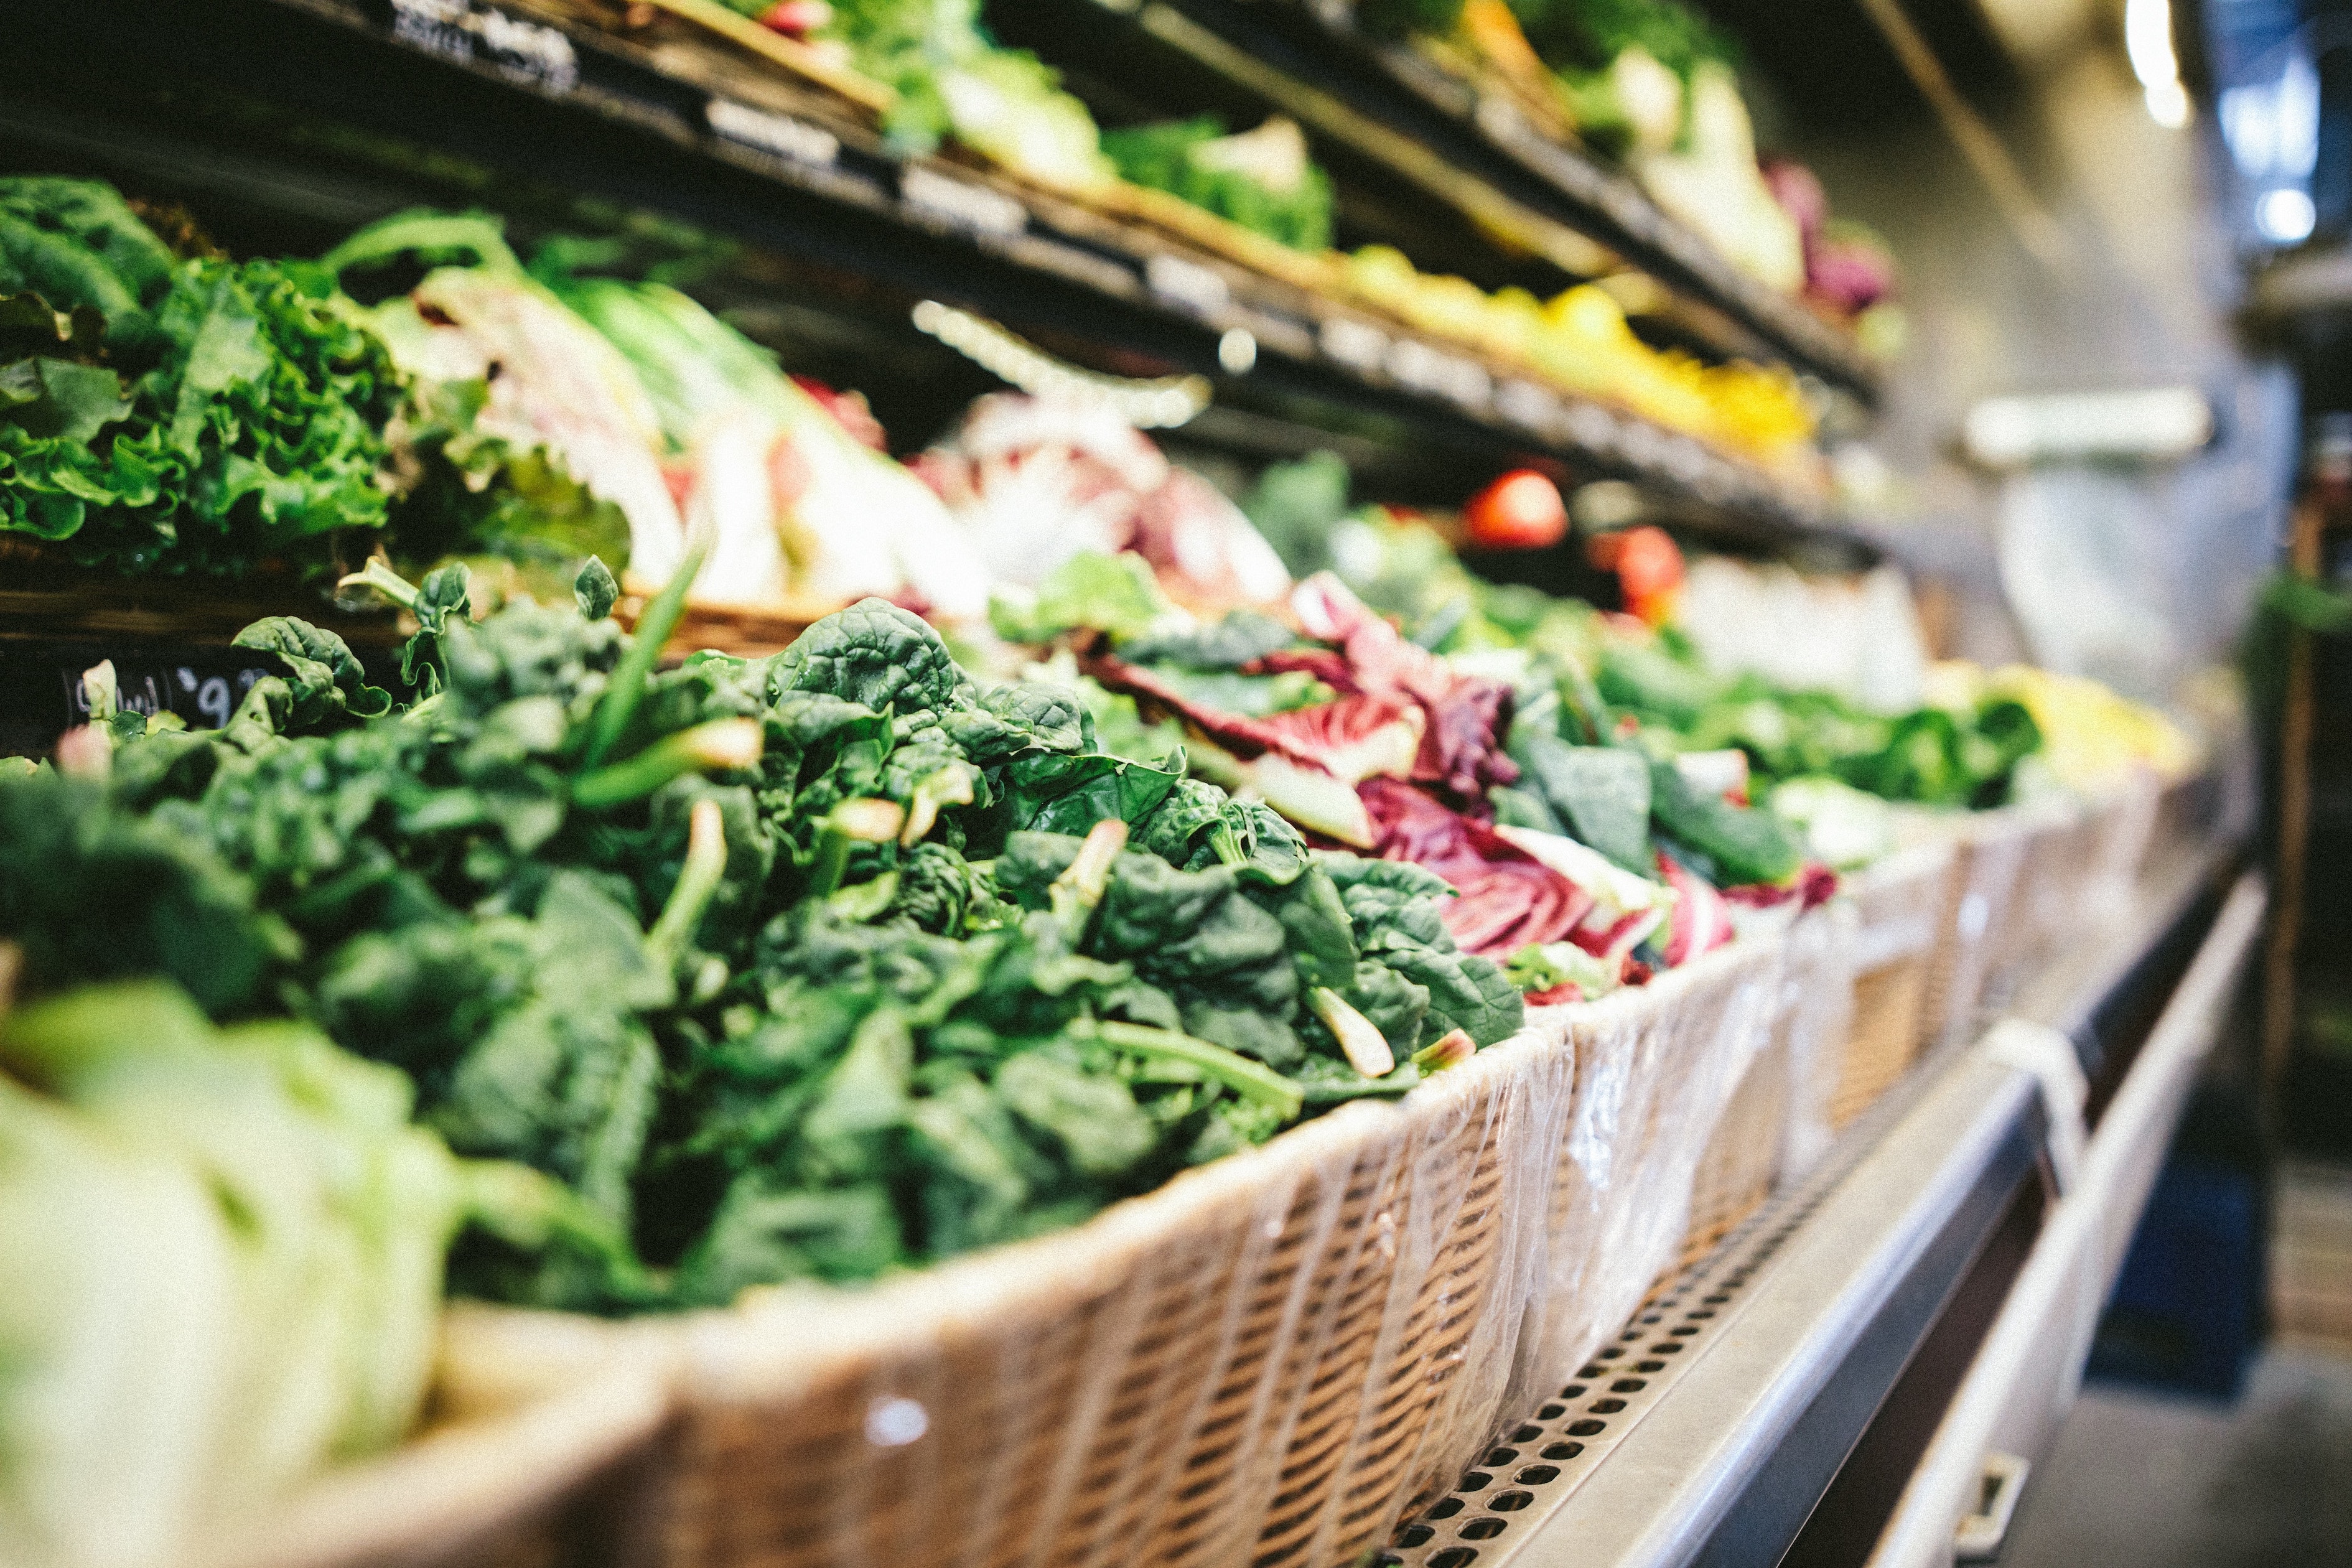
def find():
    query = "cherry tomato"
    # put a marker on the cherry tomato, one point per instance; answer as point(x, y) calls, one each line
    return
point(1649, 570)
point(1521, 511)
point(796, 19)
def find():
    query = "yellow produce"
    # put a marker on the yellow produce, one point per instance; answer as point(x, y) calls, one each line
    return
point(1580, 342)
point(2092, 739)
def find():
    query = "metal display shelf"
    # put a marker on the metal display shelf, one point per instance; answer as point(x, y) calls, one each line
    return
point(792, 169)
point(1473, 148)
point(1772, 1402)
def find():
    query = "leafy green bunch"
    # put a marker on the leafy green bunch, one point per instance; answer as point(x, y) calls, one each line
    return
point(639, 927)
point(1587, 35)
point(1964, 756)
point(159, 414)
point(1294, 209)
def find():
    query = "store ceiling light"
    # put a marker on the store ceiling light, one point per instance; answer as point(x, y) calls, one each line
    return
point(2147, 38)
point(2143, 425)
point(2286, 217)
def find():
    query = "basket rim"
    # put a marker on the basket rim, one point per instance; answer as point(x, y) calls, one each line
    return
point(451, 1487)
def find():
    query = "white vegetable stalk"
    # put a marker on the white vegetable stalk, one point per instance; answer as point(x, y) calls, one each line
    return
point(1367, 1048)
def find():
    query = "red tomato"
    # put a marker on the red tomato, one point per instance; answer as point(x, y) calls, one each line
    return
point(796, 19)
point(1649, 570)
point(1521, 511)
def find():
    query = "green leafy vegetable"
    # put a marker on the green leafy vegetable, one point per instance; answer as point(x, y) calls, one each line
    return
point(1262, 181)
point(1739, 845)
point(814, 965)
point(239, 1239)
point(235, 414)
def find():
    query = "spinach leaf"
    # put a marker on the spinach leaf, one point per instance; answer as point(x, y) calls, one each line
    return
point(1738, 846)
point(324, 679)
point(874, 654)
point(1600, 796)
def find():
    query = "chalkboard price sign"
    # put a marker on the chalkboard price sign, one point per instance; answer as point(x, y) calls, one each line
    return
point(41, 694)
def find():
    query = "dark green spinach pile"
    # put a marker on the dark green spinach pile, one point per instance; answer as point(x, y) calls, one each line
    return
point(810, 966)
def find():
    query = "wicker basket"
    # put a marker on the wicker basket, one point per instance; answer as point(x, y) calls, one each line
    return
point(1990, 853)
point(2057, 887)
point(1743, 1158)
point(1264, 1361)
point(2128, 834)
point(1269, 1361)
point(537, 1426)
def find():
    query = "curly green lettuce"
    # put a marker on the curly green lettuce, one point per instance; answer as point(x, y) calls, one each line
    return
point(159, 415)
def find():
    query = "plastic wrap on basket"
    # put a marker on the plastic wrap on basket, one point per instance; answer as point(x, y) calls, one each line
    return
point(1742, 1159)
point(1775, 1115)
point(2127, 826)
point(1654, 1068)
point(1776, 1122)
point(1265, 1361)
point(1990, 849)
point(1904, 912)
point(1814, 1022)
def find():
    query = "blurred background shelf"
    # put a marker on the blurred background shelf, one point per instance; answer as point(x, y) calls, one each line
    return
point(299, 120)
point(1386, 115)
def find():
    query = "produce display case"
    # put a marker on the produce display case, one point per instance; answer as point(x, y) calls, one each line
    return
point(1528, 1264)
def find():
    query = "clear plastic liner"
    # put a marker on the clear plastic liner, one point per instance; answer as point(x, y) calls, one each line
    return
point(2029, 877)
point(1905, 910)
point(1991, 850)
point(1815, 1023)
point(1656, 1068)
point(2127, 835)
point(2056, 890)
point(1777, 1115)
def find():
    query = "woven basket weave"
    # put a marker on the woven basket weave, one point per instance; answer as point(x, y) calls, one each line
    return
point(1743, 1158)
point(2127, 834)
point(1989, 854)
point(2057, 887)
point(1262, 1362)
point(1774, 1124)
point(1906, 910)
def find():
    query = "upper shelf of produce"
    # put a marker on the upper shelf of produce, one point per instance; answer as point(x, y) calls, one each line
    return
point(1464, 142)
point(787, 163)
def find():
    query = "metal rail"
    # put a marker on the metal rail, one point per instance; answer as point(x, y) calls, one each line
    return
point(1792, 1335)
